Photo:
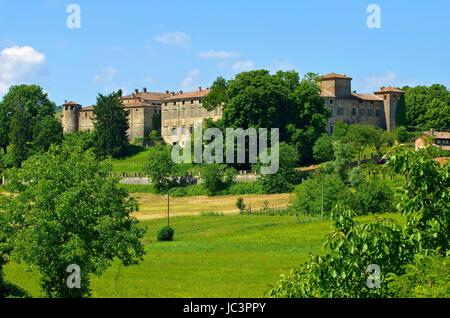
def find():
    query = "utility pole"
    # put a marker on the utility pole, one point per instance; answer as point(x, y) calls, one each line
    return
point(322, 203)
point(168, 208)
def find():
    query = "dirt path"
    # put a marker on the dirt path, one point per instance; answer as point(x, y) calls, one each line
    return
point(152, 206)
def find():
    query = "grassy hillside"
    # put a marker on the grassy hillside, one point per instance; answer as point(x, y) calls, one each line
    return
point(212, 256)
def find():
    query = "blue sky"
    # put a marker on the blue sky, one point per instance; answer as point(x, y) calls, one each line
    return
point(180, 45)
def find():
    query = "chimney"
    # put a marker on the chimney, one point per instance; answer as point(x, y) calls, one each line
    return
point(136, 91)
point(199, 88)
point(167, 92)
point(65, 102)
point(145, 89)
point(181, 92)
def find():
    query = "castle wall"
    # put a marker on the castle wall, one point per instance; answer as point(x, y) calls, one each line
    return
point(70, 120)
point(354, 111)
point(86, 120)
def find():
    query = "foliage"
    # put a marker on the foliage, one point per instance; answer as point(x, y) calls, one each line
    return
point(342, 271)
point(401, 134)
point(260, 100)
point(286, 177)
point(427, 107)
point(360, 137)
point(111, 125)
point(400, 115)
point(217, 178)
point(166, 234)
point(240, 204)
point(160, 167)
point(65, 209)
point(307, 197)
point(427, 277)
point(343, 153)
point(21, 109)
point(426, 196)
point(47, 132)
point(372, 196)
point(323, 148)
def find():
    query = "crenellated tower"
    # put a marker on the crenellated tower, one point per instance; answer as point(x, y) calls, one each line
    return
point(391, 97)
point(70, 117)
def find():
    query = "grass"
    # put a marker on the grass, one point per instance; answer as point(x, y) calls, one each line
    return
point(153, 206)
point(223, 256)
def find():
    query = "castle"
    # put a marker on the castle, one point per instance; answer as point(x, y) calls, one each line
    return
point(179, 112)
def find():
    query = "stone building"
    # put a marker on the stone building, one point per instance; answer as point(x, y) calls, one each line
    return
point(183, 111)
point(439, 139)
point(142, 108)
point(180, 112)
point(378, 109)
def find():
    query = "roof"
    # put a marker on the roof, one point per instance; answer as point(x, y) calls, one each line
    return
point(442, 160)
point(87, 108)
point(334, 76)
point(438, 134)
point(154, 96)
point(370, 97)
point(189, 95)
point(71, 103)
point(388, 89)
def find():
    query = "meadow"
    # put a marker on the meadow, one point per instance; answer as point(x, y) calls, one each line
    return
point(212, 256)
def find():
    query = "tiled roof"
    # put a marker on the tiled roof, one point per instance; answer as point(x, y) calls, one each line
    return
point(438, 134)
point(71, 103)
point(388, 89)
point(87, 108)
point(154, 96)
point(370, 97)
point(335, 75)
point(188, 95)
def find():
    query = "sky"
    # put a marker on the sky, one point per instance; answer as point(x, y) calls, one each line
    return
point(181, 45)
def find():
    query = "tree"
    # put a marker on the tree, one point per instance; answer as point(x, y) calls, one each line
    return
point(22, 107)
point(217, 177)
point(160, 167)
point(323, 148)
point(426, 197)
point(258, 99)
point(359, 136)
point(343, 153)
point(286, 177)
point(379, 138)
point(111, 125)
point(66, 209)
point(47, 132)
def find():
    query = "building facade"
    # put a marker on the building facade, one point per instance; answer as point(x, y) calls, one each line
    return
point(378, 109)
point(180, 112)
point(142, 107)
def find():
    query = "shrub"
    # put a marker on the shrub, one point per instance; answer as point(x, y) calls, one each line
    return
point(166, 234)
point(217, 178)
point(307, 197)
point(211, 213)
point(427, 277)
point(240, 204)
point(373, 196)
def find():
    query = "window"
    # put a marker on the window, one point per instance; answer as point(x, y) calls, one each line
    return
point(370, 112)
point(340, 111)
point(191, 130)
point(361, 112)
point(353, 111)
point(331, 102)
point(174, 131)
point(331, 129)
point(192, 101)
point(377, 113)
point(182, 103)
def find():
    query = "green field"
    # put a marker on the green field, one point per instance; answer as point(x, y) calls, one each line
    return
point(212, 256)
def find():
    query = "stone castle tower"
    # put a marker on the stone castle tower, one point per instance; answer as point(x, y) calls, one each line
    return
point(70, 117)
point(391, 97)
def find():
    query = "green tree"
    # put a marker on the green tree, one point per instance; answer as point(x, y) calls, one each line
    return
point(379, 138)
point(160, 167)
point(21, 109)
point(286, 177)
point(111, 125)
point(258, 99)
point(47, 132)
point(217, 95)
point(323, 148)
point(343, 153)
point(217, 177)
point(66, 209)
point(360, 136)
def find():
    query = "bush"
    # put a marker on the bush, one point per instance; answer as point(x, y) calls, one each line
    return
point(307, 197)
point(373, 196)
point(217, 178)
point(166, 234)
point(427, 277)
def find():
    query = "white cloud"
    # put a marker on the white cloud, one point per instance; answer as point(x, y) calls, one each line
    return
point(212, 54)
point(281, 65)
point(180, 39)
point(107, 75)
point(190, 80)
point(242, 66)
point(373, 83)
point(18, 63)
